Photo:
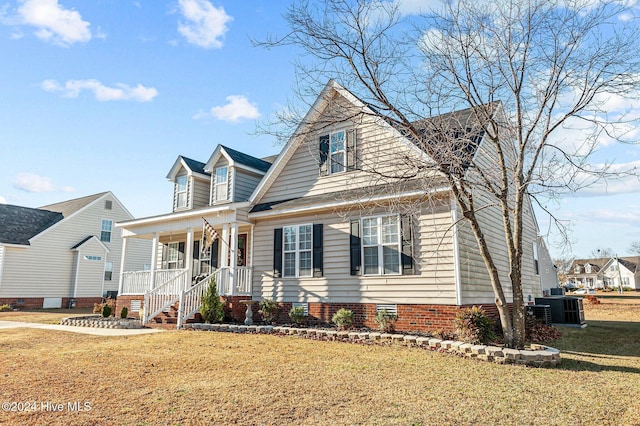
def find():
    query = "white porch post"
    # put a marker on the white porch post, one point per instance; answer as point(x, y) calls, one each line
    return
point(233, 257)
point(188, 255)
point(125, 240)
point(154, 261)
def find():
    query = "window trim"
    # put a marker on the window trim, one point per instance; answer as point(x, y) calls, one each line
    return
point(217, 185)
point(380, 245)
point(297, 251)
point(103, 231)
point(182, 192)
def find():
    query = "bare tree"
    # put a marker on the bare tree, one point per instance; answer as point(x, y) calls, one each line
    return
point(563, 266)
point(602, 253)
point(635, 248)
point(523, 71)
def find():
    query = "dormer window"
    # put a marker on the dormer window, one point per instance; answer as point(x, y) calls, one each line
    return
point(587, 268)
point(181, 191)
point(222, 184)
point(576, 269)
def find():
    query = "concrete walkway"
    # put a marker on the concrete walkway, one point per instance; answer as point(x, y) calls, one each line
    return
point(83, 330)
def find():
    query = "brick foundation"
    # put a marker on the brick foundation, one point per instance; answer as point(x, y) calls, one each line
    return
point(37, 302)
point(125, 301)
point(410, 317)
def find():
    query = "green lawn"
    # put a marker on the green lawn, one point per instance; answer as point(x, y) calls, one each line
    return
point(184, 378)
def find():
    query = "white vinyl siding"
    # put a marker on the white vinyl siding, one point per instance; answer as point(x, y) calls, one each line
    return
point(200, 192)
point(244, 185)
point(433, 282)
point(46, 267)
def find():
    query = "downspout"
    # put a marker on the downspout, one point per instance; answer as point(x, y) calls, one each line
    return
point(456, 254)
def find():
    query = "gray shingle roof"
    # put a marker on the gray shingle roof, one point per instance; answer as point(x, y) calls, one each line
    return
point(69, 207)
point(195, 166)
point(247, 160)
point(19, 224)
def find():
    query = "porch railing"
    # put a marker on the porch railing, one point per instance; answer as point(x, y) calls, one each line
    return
point(139, 282)
point(234, 281)
point(191, 299)
point(164, 295)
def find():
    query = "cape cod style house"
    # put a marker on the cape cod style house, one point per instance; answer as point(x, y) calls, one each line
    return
point(64, 252)
point(312, 228)
point(615, 273)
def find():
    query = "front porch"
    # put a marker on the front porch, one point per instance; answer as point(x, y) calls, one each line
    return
point(184, 259)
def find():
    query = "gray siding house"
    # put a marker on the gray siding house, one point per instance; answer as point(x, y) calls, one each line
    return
point(63, 251)
point(313, 227)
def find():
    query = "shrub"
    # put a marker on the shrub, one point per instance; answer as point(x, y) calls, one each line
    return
point(212, 309)
point(473, 325)
point(443, 334)
point(386, 320)
point(343, 319)
point(592, 299)
point(269, 310)
point(106, 310)
point(297, 315)
point(124, 313)
point(538, 332)
point(5, 308)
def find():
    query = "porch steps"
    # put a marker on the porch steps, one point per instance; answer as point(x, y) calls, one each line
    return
point(169, 319)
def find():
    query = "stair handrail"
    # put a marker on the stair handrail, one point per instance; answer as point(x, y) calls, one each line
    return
point(191, 299)
point(163, 296)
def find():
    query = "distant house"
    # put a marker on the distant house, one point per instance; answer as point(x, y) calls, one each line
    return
point(606, 273)
point(63, 251)
point(310, 228)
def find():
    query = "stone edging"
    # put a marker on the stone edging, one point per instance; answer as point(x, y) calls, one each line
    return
point(97, 321)
point(537, 356)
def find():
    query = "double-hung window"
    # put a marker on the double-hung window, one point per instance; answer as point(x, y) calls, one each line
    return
point(181, 191)
point(381, 245)
point(297, 251)
point(105, 230)
point(337, 152)
point(222, 184)
point(108, 270)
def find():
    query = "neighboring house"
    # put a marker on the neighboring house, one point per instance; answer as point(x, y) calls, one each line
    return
point(606, 273)
point(63, 251)
point(315, 230)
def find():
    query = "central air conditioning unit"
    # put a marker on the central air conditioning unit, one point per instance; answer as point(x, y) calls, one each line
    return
point(564, 309)
point(541, 312)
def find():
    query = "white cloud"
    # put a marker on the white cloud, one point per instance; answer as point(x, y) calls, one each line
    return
point(413, 7)
point(53, 22)
point(120, 91)
point(628, 181)
point(236, 109)
point(31, 182)
point(3, 200)
point(204, 24)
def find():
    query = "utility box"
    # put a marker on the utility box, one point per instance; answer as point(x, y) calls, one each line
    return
point(541, 312)
point(556, 291)
point(564, 309)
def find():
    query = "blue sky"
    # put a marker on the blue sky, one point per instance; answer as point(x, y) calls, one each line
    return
point(103, 95)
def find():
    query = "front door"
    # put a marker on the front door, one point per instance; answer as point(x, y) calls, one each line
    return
point(242, 251)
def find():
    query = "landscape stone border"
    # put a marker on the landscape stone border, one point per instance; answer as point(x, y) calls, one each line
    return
point(97, 321)
point(536, 356)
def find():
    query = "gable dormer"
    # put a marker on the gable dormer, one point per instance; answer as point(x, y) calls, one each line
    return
point(234, 175)
point(190, 184)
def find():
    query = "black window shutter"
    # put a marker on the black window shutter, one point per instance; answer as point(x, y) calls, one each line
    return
point(324, 154)
point(354, 246)
point(317, 250)
point(214, 253)
point(277, 252)
point(407, 246)
point(352, 157)
point(196, 250)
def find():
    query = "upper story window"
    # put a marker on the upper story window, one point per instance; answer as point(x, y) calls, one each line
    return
point(297, 251)
point(337, 152)
point(576, 269)
point(587, 268)
point(105, 231)
point(536, 259)
point(222, 184)
point(381, 245)
point(108, 271)
point(181, 191)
